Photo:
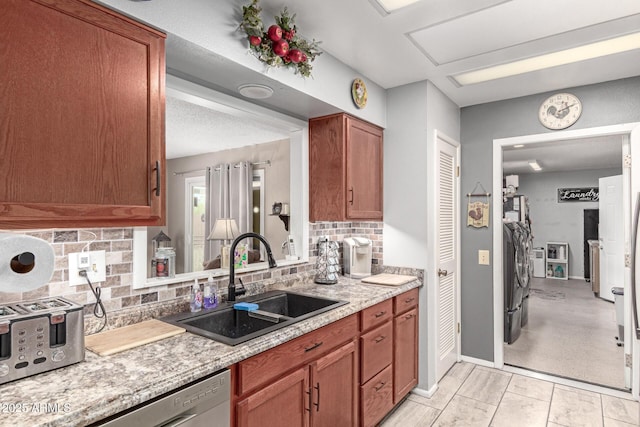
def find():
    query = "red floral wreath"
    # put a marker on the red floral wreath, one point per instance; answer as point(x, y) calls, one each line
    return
point(279, 45)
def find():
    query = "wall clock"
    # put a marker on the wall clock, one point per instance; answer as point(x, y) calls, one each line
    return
point(560, 111)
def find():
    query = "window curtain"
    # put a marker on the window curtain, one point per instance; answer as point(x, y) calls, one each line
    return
point(229, 195)
point(217, 193)
point(241, 196)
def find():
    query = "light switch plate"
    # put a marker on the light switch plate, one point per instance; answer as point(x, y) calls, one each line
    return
point(95, 264)
point(483, 257)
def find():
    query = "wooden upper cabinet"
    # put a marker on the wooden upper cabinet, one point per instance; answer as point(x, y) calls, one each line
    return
point(81, 117)
point(345, 169)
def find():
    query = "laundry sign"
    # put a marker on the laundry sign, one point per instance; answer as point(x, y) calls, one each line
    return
point(588, 194)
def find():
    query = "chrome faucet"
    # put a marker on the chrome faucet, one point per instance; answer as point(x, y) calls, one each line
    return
point(231, 296)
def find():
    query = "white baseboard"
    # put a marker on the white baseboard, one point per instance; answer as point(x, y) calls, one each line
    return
point(480, 362)
point(425, 393)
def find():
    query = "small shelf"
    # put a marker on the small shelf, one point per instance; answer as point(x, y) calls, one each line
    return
point(285, 220)
point(557, 264)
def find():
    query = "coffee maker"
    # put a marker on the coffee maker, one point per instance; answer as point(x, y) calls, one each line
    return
point(357, 257)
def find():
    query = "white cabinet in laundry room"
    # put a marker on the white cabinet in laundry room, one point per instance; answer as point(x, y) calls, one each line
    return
point(557, 260)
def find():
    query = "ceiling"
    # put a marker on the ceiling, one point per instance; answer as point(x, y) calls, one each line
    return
point(437, 39)
point(432, 39)
point(194, 129)
point(602, 152)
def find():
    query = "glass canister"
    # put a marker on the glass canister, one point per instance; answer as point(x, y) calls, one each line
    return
point(328, 262)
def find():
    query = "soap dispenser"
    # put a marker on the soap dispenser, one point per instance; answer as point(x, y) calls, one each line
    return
point(210, 293)
point(196, 297)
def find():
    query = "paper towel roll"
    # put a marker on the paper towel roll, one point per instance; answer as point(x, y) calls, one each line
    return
point(26, 262)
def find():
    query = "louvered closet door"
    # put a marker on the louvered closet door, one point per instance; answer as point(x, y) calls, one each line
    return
point(447, 316)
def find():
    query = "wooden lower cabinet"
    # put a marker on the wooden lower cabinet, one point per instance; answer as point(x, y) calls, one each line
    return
point(377, 397)
point(376, 347)
point(334, 388)
point(322, 393)
point(405, 353)
point(283, 403)
point(337, 376)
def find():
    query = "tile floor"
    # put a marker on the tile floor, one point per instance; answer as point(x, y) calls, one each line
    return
point(567, 322)
point(471, 395)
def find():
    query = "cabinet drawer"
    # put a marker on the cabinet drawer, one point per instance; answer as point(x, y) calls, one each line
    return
point(262, 368)
point(405, 301)
point(377, 398)
point(377, 351)
point(376, 315)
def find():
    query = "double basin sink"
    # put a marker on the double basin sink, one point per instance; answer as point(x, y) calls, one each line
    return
point(276, 309)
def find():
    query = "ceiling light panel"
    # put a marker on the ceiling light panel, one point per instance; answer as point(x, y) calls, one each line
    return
point(555, 59)
point(392, 5)
point(534, 165)
point(514, 23)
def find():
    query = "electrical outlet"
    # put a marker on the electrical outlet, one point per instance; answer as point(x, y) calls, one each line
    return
point(93, 262)
point(483, 257)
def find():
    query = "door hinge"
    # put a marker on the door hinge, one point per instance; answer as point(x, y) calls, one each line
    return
point(458, 327)
point(458, 171)
point(627, 260)
point(626, 161)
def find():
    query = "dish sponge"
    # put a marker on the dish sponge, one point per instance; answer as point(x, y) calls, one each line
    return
point(245, 306)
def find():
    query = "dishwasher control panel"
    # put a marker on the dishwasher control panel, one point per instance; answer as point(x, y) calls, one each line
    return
point(212, 389)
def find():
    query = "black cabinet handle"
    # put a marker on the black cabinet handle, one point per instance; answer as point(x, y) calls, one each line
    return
point(380, 339)
point(380, 314)
point(379, 386)
point(317, 405)
point(313, 347)
point(351, 201)
point(309, 394)
point(408, 300)
point(157, 169)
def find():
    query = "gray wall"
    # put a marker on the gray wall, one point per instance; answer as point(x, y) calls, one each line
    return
point(414, 112)
point(276, 179)
point(561, 222)
point(604, 104)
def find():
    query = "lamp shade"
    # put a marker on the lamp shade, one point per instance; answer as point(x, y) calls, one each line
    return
point(224, 229)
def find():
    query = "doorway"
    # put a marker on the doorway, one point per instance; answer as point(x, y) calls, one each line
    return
point(547, 289)
point(194, 222)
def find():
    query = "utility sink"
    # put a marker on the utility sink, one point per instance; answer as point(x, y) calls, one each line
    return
point(276, 309)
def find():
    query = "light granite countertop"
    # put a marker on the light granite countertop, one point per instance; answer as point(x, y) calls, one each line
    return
point(89, 391)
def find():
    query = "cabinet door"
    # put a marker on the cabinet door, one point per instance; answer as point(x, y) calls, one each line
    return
point(364, 170)
point(405, 358)
point(285, 403)
point(334, 385)
point(81, 116)
point(326, 168)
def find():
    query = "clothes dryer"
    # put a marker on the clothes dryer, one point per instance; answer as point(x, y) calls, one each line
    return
point(513, 290)
point(525, 270)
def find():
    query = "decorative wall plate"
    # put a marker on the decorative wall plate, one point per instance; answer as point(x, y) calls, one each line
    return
point(359, 93)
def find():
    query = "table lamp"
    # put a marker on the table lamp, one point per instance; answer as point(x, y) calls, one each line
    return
point(224, 229)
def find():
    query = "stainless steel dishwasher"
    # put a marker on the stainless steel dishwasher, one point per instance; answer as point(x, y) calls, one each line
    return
point(202, 403)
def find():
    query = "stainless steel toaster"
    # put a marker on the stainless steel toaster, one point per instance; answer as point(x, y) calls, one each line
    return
point(38, 336)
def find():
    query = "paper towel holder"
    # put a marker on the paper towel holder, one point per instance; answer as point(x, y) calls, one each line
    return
point(23, 263)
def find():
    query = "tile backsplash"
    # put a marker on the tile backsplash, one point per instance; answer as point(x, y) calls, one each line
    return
point(117, 291)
